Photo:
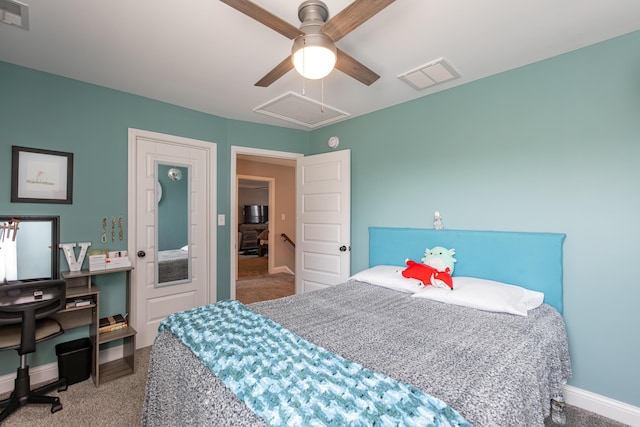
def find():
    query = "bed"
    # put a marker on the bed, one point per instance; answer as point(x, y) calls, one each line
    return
point(173, 264)
point(490, 368)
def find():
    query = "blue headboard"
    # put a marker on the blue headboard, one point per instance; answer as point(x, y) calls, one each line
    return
point(530, 260)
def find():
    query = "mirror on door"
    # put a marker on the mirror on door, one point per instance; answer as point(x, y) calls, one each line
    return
point(173, 260)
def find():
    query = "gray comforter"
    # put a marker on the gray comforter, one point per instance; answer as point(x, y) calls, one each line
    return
point(495, 369)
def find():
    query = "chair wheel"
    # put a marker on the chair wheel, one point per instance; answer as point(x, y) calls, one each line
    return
point(56, 407)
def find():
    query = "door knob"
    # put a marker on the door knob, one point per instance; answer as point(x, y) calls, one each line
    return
point(141, 254)
point(343, 248)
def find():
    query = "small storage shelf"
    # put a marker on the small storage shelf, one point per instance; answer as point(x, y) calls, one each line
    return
point(116, 369)
point(75, 317)
point(106, 337)
point(119, 367)
point(79, 286)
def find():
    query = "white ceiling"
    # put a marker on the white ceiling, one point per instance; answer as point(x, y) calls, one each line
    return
point(206, 56)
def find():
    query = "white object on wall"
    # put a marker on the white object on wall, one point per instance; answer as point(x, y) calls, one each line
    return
point(333, 142)
point(69, 254)
point(437, 221)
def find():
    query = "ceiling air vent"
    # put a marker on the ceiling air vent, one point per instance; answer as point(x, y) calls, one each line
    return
point(14, 13)
point(301, 110)
point(431, 74)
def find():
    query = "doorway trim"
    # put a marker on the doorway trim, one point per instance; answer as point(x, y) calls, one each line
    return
point(233, 232)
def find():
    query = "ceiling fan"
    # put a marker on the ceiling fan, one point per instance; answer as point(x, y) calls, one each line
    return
point(315, 30)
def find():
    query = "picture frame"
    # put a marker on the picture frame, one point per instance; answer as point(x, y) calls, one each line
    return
point(41, 176)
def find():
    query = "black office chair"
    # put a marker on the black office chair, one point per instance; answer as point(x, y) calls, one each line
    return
point(24, 311)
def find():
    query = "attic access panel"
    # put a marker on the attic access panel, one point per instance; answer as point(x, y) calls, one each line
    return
point(301, 110)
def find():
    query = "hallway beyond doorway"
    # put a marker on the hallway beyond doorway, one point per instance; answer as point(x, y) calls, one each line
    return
point(256, 284)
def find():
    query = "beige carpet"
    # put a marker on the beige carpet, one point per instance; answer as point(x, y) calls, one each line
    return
point(252, 267)
point(256, 284)
point(116, 403)
point(265, 288)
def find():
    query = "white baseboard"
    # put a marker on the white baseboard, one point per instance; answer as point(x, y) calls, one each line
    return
point(49, 372)
point(601, 405)
point(38, 374)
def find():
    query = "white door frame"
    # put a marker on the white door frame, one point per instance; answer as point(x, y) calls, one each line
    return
point(132, 244)
point(233, 231)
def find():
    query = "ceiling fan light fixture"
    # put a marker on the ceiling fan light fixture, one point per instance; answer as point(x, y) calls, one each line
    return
point(314, 55)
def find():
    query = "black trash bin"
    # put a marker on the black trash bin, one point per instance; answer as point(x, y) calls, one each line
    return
point(74, 360)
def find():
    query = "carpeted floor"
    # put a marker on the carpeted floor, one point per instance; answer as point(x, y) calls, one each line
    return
point(252, 266)
point(116, 403)
point(265, 288)
point(256, 284)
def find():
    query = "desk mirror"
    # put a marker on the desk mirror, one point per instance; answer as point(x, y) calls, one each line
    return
point(29, 248)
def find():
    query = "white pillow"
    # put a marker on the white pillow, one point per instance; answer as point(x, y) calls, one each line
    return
point(485, 295)
point(388, 276)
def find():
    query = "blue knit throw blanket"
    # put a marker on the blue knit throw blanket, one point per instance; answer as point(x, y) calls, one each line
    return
point(288, 381)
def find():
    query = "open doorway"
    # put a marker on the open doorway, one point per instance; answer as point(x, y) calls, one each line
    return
point(263, 209)
point(256, 198)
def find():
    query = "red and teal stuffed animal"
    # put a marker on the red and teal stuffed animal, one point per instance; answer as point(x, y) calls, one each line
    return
point(436, 270)
point(427, 275)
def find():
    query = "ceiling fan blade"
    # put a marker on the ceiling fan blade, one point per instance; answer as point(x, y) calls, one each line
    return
point(352, 16)
point(355, 69)
point(265, 17)
point(278, 71)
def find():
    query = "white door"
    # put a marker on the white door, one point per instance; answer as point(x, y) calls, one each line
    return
point(323, 215)
point(156, 294)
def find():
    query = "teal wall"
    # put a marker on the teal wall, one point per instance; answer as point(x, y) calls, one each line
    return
point(553, 146)
point(46, 111)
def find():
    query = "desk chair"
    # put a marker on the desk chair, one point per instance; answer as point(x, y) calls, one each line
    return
point(24, 308)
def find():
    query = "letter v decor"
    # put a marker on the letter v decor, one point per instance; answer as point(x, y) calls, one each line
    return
point(69, 254)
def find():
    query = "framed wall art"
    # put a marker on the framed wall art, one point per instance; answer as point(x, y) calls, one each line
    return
point(41, 176)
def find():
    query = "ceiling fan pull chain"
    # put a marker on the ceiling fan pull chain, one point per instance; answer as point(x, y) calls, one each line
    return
point(322, 98)
point(304, 79)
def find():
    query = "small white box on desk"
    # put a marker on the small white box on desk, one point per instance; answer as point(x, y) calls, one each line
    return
point(117, 259)
point(119, 262)
point(97, 267)
point(97, 262)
